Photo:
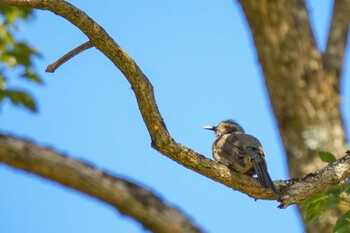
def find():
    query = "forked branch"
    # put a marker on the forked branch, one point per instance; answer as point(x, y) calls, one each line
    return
point(161, 140)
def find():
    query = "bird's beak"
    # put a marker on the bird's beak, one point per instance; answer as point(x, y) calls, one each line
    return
point(209, 127)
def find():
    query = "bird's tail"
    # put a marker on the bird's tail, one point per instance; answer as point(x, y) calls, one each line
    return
point(260, 168)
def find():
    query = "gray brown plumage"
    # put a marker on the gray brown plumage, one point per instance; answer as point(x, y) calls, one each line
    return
point(241, 152)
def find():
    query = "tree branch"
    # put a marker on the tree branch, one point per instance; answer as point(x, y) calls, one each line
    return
point(129, 198)
point(161, 139)
point(141, 204)
point(300, 189)
point(337, 37)
point(304, 94)
point(52, 67)
point(143, 89)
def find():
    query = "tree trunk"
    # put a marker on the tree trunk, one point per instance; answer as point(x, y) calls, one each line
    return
point(304, 93)
point(303, 85)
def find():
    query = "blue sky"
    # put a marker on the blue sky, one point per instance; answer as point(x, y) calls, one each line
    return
point(201, 61)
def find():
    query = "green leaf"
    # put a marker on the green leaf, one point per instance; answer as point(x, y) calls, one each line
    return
point(335, 190)
point(12, 14)
point(29, 74)
point(5, 37)
point(19, 98)
point(2, 82)
point(343, 224)
point(23, 53)
point(313, 207)
point(347, 188)
point(8, 59)
point(16, 54)
point(330, 202)
point(327, 157)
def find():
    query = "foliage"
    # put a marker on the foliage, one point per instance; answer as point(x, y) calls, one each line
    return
point(317, 205)
point(343, 223)
point(16, 57)
point(327, 157)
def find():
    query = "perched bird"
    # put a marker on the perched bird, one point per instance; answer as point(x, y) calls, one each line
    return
point(241, 152)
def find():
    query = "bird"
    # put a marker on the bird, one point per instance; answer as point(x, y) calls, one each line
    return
point(241, 152)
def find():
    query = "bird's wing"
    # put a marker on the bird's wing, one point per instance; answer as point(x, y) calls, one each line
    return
point(254, 150)
point(233, 152)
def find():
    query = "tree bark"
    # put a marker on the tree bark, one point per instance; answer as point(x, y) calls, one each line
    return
point(143, 89)
point(304, 93)
point(128, 198)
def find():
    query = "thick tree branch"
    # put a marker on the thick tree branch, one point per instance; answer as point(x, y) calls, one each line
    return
point(302, 188)
point(337, 37)
point(161, 139)
point(128, 198)
point(141, 204)
point(290, 61)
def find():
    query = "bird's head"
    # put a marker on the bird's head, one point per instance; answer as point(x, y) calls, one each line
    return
point(225, 127)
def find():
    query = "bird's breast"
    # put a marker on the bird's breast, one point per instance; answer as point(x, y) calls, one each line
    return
point(218, 146)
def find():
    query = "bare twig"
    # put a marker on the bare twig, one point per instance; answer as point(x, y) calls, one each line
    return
point(52, 67)
point(129, 198)
point(337, 37)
